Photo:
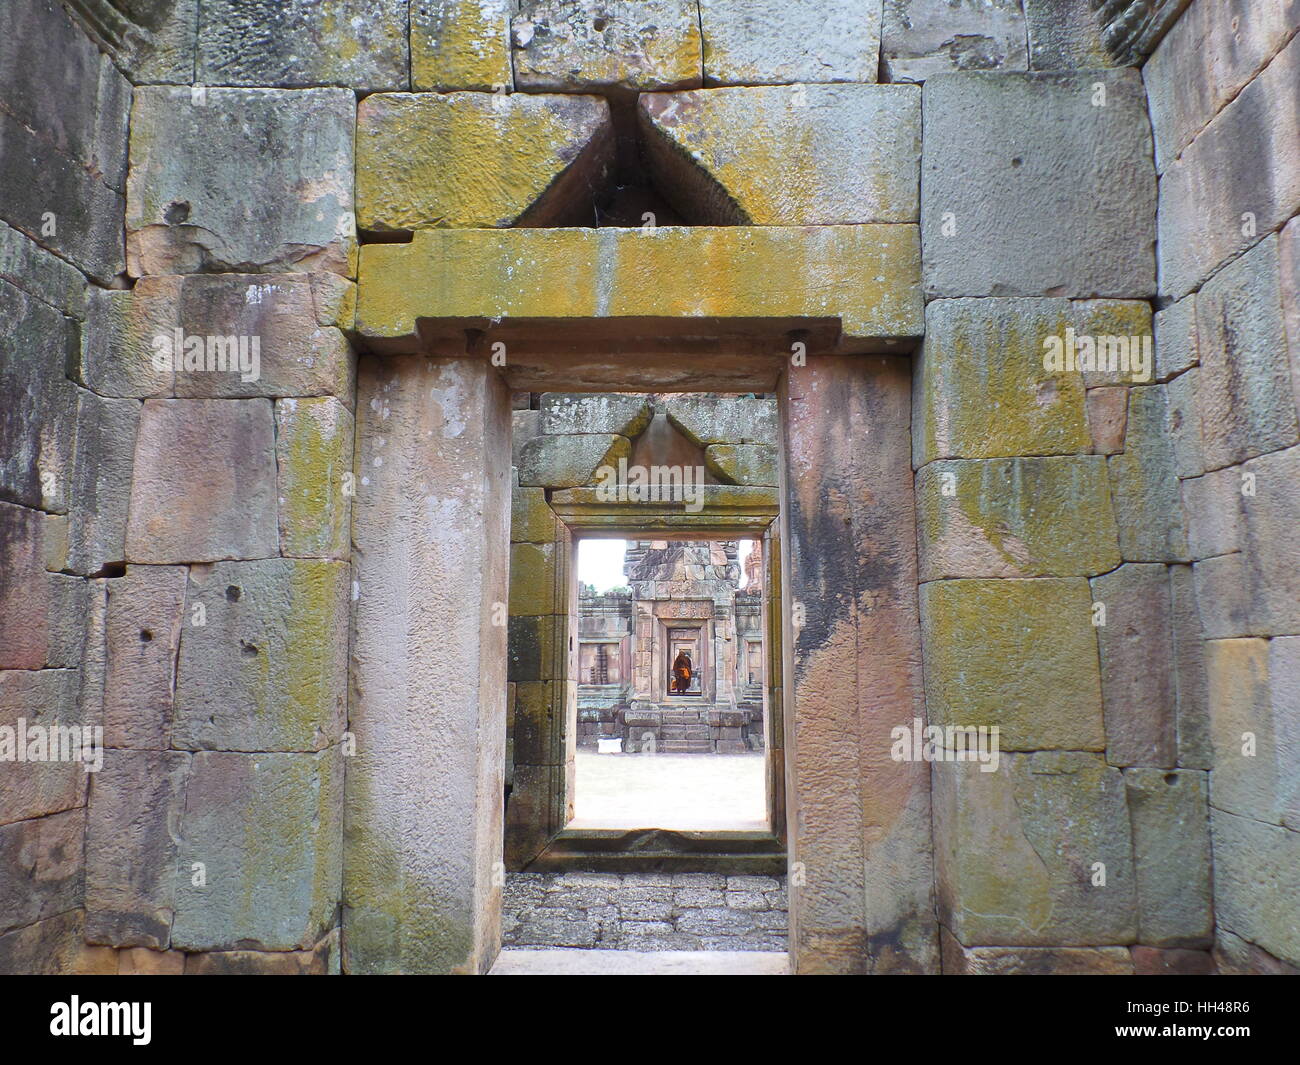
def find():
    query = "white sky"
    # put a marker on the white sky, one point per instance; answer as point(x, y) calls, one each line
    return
point(600, 562)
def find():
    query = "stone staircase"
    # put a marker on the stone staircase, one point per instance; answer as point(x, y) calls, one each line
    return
point(684, 731)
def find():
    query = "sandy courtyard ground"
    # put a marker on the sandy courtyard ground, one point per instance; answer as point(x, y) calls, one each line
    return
point(683, 791)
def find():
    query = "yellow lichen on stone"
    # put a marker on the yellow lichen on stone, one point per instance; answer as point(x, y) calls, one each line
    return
point(460, 44)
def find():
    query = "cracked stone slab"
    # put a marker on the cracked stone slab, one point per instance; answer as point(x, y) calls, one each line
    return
point(924, 37)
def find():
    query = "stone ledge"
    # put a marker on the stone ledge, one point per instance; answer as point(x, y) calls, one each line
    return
point(866, 276)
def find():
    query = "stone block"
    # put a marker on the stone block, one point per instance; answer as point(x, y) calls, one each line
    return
point(116, 357)
point(539, 731)
point(358, 43)
point(1190, 684)
point(474, 160)
point(1214, 506)
point(1289, 282)
point(1065, 36)
point(1272, 523)
point(141, 961)
point(41, 868)
point(205, 481)
point(1212, 204)
point(1030, 517)
point(536, 647)
point(54, 947)
point(606, 412)
point(923, 37)
point(101, 481)
point(169, 57)
point(1169, 813)
point(39, 417)
point(1018, 654)
point(531, 517)
point(1139, 700)
point(1183, 412)
point(1204, 61)
point(1256, 883)
point(1044, 821)
point(709, 420)
point(1249, 772)
point(1107, 410)
point(1244, 391)
point(1177, 344)
point(865, 275)
point(771, 42)
point(268, 672)
point(461, 44)
point(24, 589)
point(1033, 961)
point(323, 960)
point(26, 265)
point(145, 614)
point(1152, 961)
point(814, 155)
point(239, 811)
point(569, 461)
point(132, 845)
point(754, 464)
point(1284, 691)
point(313, 452)
point(39, 698)
point(1144, 484)
point(1003, 191)
point(55, 200)
point(1234, 956)
point(1224, 599)
point(536, 587)
point(602, 44)
point(189, 148)
point(994, 349)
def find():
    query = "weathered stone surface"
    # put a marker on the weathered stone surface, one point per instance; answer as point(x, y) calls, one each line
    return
point(420, 881)
point(321, 961)
point(1144, 485)
point(1033, 961)
point(536, 587)
point(1003, 190)
point(599, 44)
point(132, 844)
point(570, 460)
point(475, 160)
point(1177, 345)
point(24, 590)
point(867, 903)
point(1065, 36)
point(357, 43)
point(864, 275)
point(1284, 691)
point(1256, 882)
point(461, 44)
point(994, 349)
point(1206, 58)
point(1044, 821)
point(1234, 956)
point(1171, 849)
point(742, 463)
point(32, 789)
point(573, 412)
point(40, 868)
point(1248, 770)
point(1213, 204)
point(1213, 504)
point(1272, 518)
point(1244, 393)
point(766, 42)
point(141, 961)
point(1152, 961)
point(1139, 700)
point(313, 451)
point(531, 518)
point(535, 648)
point(101, 481)
point(1019, 654)
point(190, 148)
point(145, 614)
point(832, 154)
point(924, 37)
point(708, 420)
point(1030, 517)
point(116, 357)
point(1184, 414)
point(1223, 597)
point(52, 947)
point(28, 266)
point(268, 672)
point(39, 416)
point(1190, 683)
point(1107, 410)
point(205, 481)
point(173, 31)
point(239, 810)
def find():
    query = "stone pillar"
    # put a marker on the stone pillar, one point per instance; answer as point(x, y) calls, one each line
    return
point(424, 789)
point(861, 896)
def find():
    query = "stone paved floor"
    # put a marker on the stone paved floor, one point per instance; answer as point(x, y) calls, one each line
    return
point(692, 791)
point(645, 911)
point(640, 963)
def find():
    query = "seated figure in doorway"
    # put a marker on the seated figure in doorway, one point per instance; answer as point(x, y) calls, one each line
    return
point(681, 672)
